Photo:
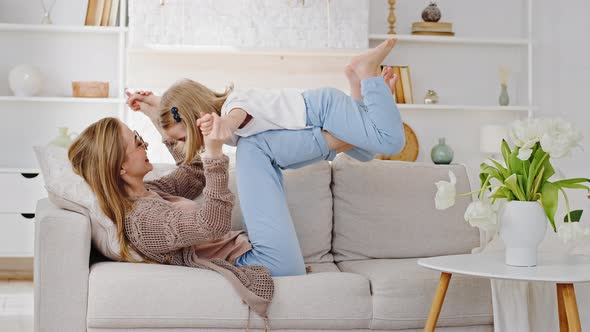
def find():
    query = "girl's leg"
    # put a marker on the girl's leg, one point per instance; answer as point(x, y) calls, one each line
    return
point(259, 159)
point(376, 129)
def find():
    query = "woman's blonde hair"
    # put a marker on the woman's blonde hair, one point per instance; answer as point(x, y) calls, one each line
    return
point(190, 98)
point(97, 155)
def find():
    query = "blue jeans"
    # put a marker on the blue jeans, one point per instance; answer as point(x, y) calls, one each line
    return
point(373, 126)
point(267, 220)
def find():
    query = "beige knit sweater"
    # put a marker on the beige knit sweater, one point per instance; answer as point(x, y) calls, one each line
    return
point(167, 234)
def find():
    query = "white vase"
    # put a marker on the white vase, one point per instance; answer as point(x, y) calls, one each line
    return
point(25, 80)
point(522, 228)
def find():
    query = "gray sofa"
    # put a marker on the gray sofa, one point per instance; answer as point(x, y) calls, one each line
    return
point(362, 227)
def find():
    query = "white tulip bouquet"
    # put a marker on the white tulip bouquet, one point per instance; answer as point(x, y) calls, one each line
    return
point(524, 176)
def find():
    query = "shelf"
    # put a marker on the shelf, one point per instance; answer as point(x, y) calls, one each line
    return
point(60, 28)
point(19, 170)
point(465, 108)
point(230, 50)
point(63, 100)
point(451, 40)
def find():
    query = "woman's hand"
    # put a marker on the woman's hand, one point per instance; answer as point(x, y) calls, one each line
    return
point(215, 134)
point(145, 102)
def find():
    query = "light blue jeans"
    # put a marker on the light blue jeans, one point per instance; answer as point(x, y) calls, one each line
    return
point(373, 126)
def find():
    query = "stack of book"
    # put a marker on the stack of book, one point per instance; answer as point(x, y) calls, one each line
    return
point(102, 12)
point(403, 85)
point(433, 28)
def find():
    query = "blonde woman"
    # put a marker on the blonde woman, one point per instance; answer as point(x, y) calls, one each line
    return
point(160, 220)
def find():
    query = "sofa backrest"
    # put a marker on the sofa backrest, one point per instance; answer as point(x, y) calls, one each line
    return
point(310, 201)
point(385, 209)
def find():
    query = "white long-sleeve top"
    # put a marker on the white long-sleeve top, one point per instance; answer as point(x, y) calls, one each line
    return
point(270, 109)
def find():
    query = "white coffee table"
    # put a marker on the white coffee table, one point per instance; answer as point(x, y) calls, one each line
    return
point(565, 270)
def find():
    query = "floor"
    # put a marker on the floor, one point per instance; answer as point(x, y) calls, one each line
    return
point(16, 305)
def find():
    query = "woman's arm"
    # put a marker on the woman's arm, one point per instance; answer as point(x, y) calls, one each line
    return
point(158, 227)
point(187, 180)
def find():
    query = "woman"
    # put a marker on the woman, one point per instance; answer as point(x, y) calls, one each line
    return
point(162, 223)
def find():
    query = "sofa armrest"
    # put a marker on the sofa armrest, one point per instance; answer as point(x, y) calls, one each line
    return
point(61, 268)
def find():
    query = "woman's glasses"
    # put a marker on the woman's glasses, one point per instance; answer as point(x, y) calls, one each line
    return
point(139, 140)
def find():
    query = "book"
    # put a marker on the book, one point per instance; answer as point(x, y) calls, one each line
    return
point(104, 20)
point(432, 26)
point(407, 84)
point(399, 91)
point(433, 33)
point(94, 12)
point(114, 13)
point(90, 12)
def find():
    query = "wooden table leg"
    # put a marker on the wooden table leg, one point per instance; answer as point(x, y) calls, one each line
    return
point(437, 302)
point(563, 326)
point(571, 308)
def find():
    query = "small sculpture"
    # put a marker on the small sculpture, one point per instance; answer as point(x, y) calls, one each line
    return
point(431, 13)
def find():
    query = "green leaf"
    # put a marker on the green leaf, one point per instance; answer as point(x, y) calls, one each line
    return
point(490, 170)
point(512, 183)
point(516, 165)
point(505, 152)
point(503, 170)
point(522, 184)
point(576, 216)
point(534, 169)
point(537, 183)
point(549, 171)
point(572, 180)
point(549, 201)
point(574, 186)
point(500, 193)
point(482, 177)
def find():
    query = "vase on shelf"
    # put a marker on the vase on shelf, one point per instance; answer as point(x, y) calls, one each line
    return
point(504, 100)
point(441, 153)
point(523, 225)
point(431, 97)
point(47, 7)
point(63, 139)
point(25, 80)
point(431, 13)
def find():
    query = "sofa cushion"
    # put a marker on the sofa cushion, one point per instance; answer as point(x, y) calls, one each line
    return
point(385, 209)
point(126, 295)
point(309, 198)
point(403, 291)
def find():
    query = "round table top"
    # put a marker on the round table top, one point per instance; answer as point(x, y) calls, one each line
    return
point(550, 267)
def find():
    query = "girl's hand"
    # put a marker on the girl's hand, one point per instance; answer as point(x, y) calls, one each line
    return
point(390, 77)
point(207, 121)
point(215, 134)
point(143, 101)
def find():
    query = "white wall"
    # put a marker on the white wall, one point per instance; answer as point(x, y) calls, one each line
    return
point(460, 74)
point(562, 78)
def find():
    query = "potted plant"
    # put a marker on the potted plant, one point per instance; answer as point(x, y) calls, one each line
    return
point(519, 190)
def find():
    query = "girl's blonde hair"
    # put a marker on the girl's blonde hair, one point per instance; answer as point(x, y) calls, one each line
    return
point(97, 155)
point(190, 98)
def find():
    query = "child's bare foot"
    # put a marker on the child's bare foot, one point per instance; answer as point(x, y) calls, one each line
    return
point(354, 82)
point(367, 65)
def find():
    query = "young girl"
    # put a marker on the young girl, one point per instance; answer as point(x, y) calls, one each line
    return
point(368, 119)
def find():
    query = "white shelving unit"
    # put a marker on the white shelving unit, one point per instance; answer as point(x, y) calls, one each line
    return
point(63, 53)
point(62, 100)
point(61, 28)
point(451, 40)
point(229, 50)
